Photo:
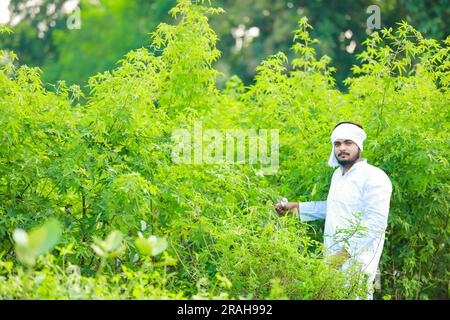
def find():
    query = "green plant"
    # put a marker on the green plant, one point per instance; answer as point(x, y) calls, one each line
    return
point(29, 246)
point(109, 248)
point(101, 163)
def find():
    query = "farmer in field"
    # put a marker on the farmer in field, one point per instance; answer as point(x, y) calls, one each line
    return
point(358, 199)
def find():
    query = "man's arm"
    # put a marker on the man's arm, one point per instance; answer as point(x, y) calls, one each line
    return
point(308, 211)
point(313, 210)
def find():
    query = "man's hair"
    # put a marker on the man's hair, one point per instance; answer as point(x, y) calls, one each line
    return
point(347, 122)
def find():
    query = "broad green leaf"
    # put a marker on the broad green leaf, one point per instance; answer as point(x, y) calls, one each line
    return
point(111, 246)
point(45, 238)
point(40, 240)
point(151, 246)
point(113, 241)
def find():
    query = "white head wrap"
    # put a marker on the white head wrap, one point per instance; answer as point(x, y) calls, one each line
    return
point(346, 131)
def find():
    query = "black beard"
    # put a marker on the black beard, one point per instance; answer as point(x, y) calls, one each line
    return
point(345, 163)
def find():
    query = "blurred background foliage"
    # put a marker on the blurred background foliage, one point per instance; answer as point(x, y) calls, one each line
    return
point(248, 32)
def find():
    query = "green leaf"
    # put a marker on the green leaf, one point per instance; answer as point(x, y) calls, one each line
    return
point(5, 29)
point(29, 246)
point(151, 246)
point(46, 237)
point(110, 247)
point(113, 241)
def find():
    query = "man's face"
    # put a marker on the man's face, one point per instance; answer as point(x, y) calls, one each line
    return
point(346, 151)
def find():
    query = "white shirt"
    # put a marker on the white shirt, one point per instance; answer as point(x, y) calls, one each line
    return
point(363, 189)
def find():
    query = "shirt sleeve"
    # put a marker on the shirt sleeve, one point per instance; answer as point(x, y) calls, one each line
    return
point(313, 210)
point(376, 199)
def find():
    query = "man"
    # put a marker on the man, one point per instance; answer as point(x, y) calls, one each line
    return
point(358, 199)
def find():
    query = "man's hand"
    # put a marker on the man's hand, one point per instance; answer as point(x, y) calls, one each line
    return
point(289, 207)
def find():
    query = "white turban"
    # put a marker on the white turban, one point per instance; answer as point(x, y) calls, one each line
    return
point(346, 131)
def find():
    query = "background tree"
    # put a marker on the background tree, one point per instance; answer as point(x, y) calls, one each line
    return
point(248, 32)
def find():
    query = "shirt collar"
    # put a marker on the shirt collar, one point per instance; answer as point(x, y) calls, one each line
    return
point(354, 167)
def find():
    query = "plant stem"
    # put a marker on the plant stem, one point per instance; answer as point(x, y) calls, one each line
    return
point(101, 267)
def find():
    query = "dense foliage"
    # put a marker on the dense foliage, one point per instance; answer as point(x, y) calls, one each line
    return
point(110, 28)
point(112, 216)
